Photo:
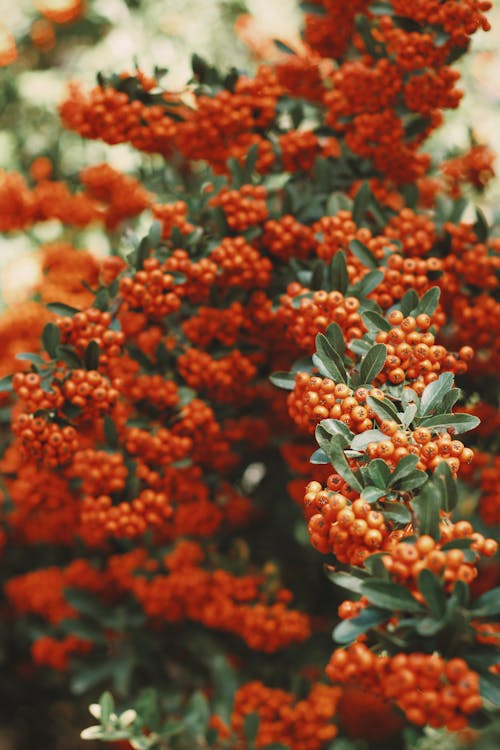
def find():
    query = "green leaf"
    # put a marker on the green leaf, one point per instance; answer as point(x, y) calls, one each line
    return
point(397, 513)
point(429, 301)
point(373, 363)
point(102, 299)
point(360, 442)
point(59, 308)
point(434, 393)
point(224, 685)
point(30, 357)
point(110, 432)
point(379, 473)
point(336, 427)
point(384, 409)
point(51, 338)
point(409, 415)
point(90, 676)
point(488, 604)
point(372, 494)
point(416, 479)
point(285, 380)
point(392, 596)
point(251, 726)
point(364, 254)
point(489, 687)
point(348, 630)
point(449, 493)
point(91, 355)
point(374, 321)
point(319, 457)
point(429, 626)
point(344, 580)
point(336, 338)
point(154, 234)
point(336, 202)
point(339, 462)
point(367, 284)
point(450, 399)
point(338, 276)
point(405, 467)
point(332, 361)
point(408, 302)
point(67, 354)
point(6, 384)
point(481, 228)
point(107, 705)
point(432, 591)
point(361, 203)
point(427, 506)
point(459, 422)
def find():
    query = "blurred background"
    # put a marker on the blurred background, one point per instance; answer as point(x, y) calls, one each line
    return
point(114, 36)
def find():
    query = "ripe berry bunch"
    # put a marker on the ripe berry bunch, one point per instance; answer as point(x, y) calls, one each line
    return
point(427, 688)
point(243, 208)
point(351, 530)
point(241, 265)
point(406, 560)
point(101, 519)
point(413, 355)
point(91, 391)
point(92, 325)
point(304, 314)
point(314, 399)
point(287, 238)
point(28, 386)
point(151, 290)
point(431, 446)
point(45, 441)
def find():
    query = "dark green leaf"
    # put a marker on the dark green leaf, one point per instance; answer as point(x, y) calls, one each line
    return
point(409, 415)
point(434, 393)
point(344, 580)
point(384, 409)
point(392, 596)
point(364, 254)
point(319, 457)
point(102, 299)
point(429, 301)
point(373, 363)
point(408, 302)
point(6, 384)
point(459, 422)
point(110, 432)
point(89, 677)
point(432, 591)
point(67, 354)
point(374, 321)
point(397, 513)
point(449, 493)
point(59, 308)
point(348, 630)
point(154, 234)
point(330, 359)
point(488, 604)
point(367, 284)
point(372, 494)
point(91, 355)
point(481, 226)
point(29, 357)
point(336, 338)
point(379, 473)
point(339, 462)
point(489, 687)
point(285, 380)
point(360, 442)
point(336, 427)
point(427, 506)
point(338, 276)
point(251, 726)
point(405, 467)
point(416, 479)
point(361, 203)
point(450, 399)
point(51, 338)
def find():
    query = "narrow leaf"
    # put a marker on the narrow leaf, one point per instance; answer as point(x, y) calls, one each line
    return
point(348, 630)
point(384, 409)
point(434, 393)
point(285, 380)
point(427, 507)
point(338, 276)
point(379, 473)
point(51, 338)
point(372, 364)
point(433, 593)
point(459, 422)
point(429, 301)
point(392, 596)
point(339, 462)
point(360, 442)
point(364, 254)
point(336, 338)
point(405, 467)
